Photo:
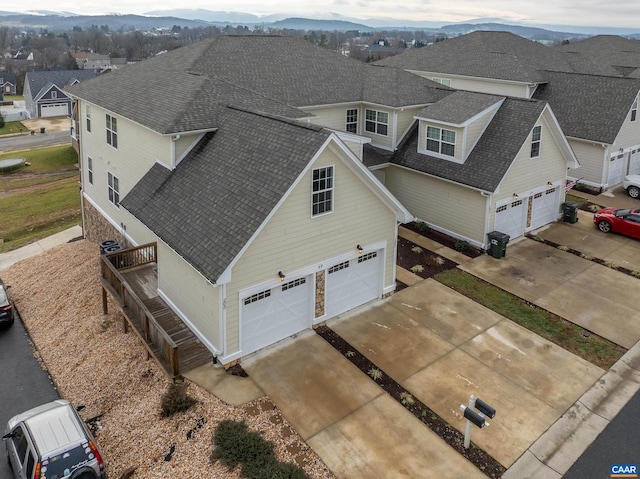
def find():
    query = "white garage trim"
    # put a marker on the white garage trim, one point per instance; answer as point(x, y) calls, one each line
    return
point(617, 169)
point(545, 207)
point(511, 217)
point(634, 162)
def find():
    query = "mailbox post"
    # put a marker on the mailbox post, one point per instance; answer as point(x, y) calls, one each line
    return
point(476, 418)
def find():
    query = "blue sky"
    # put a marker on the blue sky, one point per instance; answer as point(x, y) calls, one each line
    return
point(610, 13)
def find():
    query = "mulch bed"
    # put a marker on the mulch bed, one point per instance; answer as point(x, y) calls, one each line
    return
point(479, 458)
point(444, 239)
point(410, 255)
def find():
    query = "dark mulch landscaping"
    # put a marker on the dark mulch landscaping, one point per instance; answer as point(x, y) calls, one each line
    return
point(444, 239)
point(410, 255)
point(237, 370)
point(421, 411)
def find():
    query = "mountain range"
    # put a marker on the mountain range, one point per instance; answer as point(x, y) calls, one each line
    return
point(193, 18)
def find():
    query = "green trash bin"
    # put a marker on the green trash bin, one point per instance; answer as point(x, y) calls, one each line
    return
point(498, 244)
point(570, 212)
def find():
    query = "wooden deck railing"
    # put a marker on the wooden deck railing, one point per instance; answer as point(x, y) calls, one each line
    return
point(157, 341)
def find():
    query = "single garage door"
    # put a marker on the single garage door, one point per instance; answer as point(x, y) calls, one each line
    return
point(617, 169)
point(511, 218)
point(545, 208)
point(277, 313)
point(352, 283)
point(54, 109)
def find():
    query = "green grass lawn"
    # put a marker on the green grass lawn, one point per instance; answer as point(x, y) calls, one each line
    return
point(52, 202)
point(11, 127)
point(596, 350)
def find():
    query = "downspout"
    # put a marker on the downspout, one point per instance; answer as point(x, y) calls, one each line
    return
point(222, 328)
point(487, 216)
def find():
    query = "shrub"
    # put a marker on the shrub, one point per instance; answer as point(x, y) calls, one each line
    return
point(439, 261)
point(375, 373)
point(422, 226)
point(234, 444)
point(418, 268)
point(462, 245)
point(417, 249)
point(176, 399)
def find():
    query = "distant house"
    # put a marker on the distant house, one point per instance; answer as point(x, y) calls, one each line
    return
point(592, 86)
point(8, 83)
point(92, 61)
point(44, 95)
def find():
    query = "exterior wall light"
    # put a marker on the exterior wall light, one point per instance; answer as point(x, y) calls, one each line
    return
point(281, 275)
point(359, 248)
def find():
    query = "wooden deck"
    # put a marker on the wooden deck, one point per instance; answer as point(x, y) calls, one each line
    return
point(130, 276)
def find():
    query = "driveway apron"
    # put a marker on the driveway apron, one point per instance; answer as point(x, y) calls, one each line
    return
point(586, 293)
point(357, 429)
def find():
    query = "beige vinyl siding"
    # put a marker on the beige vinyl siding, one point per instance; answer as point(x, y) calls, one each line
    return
point(405, 120)
point(136, 230)
point(591, 157)
point(446, 205)
point(355, 147)
point(293, 240)
point(183, 144)
point(422, 140)
point(526, 173)
point(481, 85)
point(474, 130)
point(138, 150)
point(335, 117)
point(193, 295)
point(629, 134)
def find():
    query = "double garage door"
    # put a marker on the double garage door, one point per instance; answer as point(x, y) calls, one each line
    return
point(516, 217)
point(54, 109)
point(277, 313)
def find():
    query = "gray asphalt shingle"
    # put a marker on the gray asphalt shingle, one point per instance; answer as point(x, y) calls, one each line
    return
point(459, 107)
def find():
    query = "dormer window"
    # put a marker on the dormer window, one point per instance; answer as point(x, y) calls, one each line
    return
point(441, 141)
point(535, 141)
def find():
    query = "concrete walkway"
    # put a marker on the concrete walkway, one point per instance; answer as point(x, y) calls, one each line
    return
point(11, 257)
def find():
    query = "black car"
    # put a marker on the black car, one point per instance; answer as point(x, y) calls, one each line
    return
point(6, 306)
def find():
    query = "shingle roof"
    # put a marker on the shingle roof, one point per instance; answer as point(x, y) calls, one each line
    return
point(498, 55)
point(282, 70)
point(459, 107)
point(492, 156)
point(255, 159)
point(611, 50)
point(60, 78)
point(7, 78)
point(590, 107)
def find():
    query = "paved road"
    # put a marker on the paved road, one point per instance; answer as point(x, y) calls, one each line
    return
point(617, 444)
point(23, 383)
point(25, 141)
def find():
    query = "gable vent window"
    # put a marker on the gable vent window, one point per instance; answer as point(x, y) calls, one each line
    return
point(441, 141)
point(322, 195)
point(442, 81)
point(535, 141)
point(112, 131)
point(54, 94)
point(634, 110)
point(377, 122)
point(352, 120)
point(338, 267)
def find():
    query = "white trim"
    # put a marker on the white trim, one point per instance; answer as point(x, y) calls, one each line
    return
point(222, 312)
point(176, 161)
point(467, 77)
point(453, 234)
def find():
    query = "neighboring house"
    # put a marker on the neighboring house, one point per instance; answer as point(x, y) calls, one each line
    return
point(595, 106)
point(44, 94)
point(621, 54)
point(8, 83)
point(477, 163)
point(259, 167)
point(92, 61)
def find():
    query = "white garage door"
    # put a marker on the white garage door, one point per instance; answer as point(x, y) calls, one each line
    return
point(545, 208)
point(634, 163)
point(511, 219)
point(353, 283)
point(617, 169)
point(277, 313)
point(54, 109)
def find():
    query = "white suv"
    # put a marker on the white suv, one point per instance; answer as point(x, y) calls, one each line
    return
point(52, 442)
point(631, 183)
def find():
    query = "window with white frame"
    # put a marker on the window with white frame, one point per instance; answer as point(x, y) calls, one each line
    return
point(322, 191)
point(377, 122)
point(114, 189)
point(634, 110)
point(54, 94)
point(441, 141)
point(90, 169)
point(442, 81)
point(536, 135)
point(87, 111)
point(112, 131)
point(352, 120)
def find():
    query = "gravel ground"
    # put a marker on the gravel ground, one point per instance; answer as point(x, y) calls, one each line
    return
point(93, 362)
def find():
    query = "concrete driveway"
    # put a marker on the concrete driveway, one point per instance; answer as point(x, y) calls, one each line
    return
point(562, 282)
point(442, 347)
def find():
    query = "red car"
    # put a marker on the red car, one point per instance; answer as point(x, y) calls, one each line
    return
point(626, 222)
